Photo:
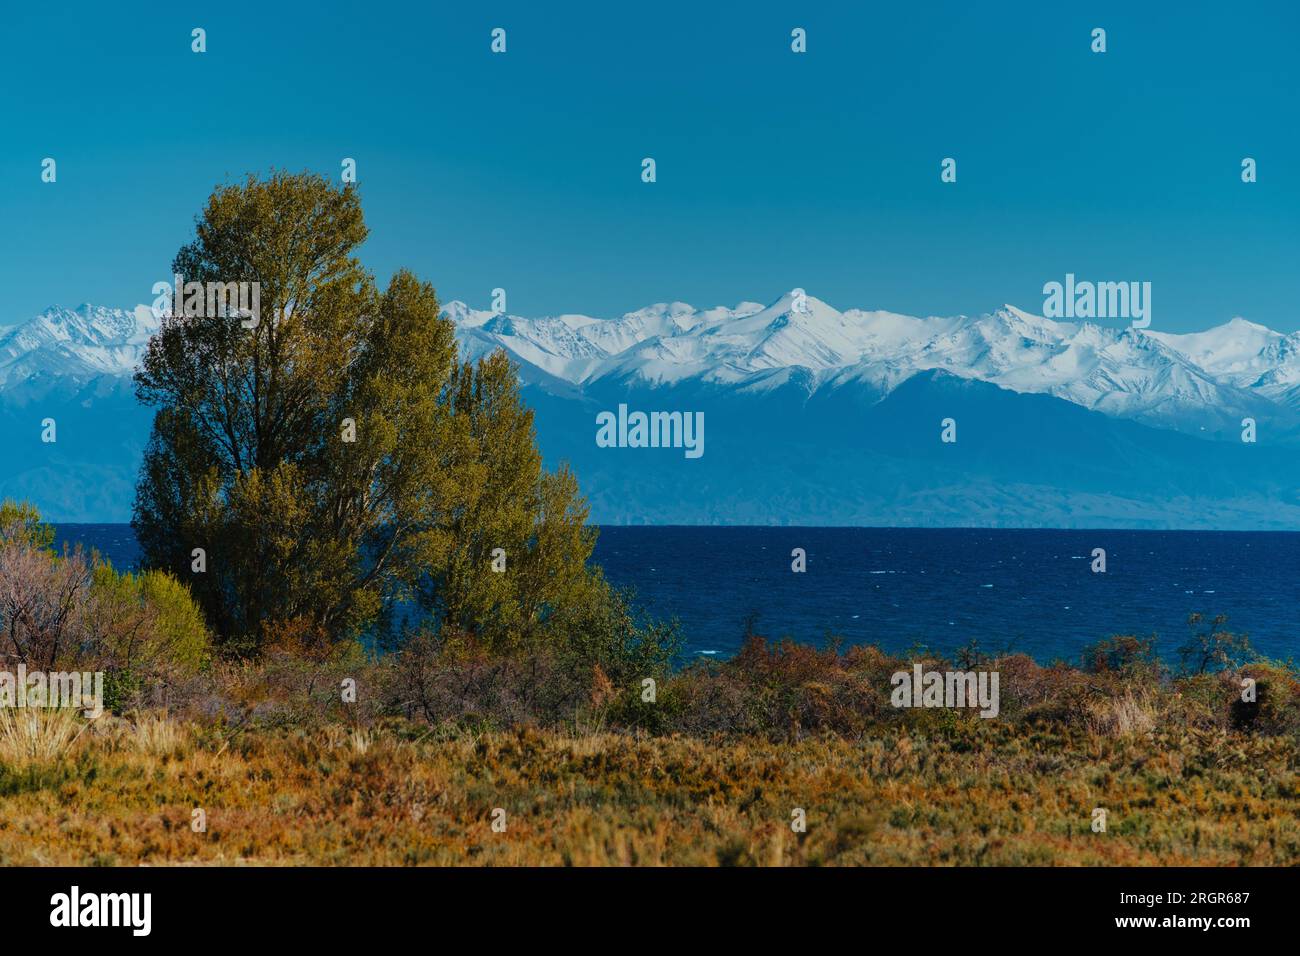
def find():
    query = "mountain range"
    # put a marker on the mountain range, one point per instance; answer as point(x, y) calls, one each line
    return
point(812, 415)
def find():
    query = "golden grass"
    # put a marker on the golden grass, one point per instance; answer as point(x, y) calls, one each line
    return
point(1124, 716)
point(360, 740)
point(399, 794)
point(37, 735)
point(156, 735)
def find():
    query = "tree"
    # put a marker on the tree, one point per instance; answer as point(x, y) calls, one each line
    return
point(1213, 648)
point(1124, 654)
point(20, 521)
point(513, 515)
point(334, 461)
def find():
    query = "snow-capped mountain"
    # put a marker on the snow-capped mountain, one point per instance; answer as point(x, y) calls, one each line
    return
point(1200, 382)
point(1194, 382)
point(814, 415)
point(73, 366)
point(75, 345)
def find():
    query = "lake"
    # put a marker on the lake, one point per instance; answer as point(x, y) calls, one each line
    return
point(1029, 590)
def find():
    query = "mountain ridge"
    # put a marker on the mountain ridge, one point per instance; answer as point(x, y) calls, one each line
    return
point(1201, 382)
point(815, 416)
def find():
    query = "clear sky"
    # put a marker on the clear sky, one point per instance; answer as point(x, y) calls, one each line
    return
point(775, 170)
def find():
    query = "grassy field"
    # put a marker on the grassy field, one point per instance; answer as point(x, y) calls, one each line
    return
point(124, 792)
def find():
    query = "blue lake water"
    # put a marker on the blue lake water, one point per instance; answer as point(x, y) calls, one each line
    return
point(1032, 591)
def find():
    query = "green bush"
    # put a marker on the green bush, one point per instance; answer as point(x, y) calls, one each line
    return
point(1122, 654)
point(180, 632)
point(20, 523)
point(145, 622)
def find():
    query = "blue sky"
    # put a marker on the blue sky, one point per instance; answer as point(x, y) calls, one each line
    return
point(775, 170)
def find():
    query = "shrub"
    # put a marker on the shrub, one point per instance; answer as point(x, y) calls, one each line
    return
point(75, 612)
point(20, 522)
point(1121, 654)
point(1212, 648)
point(1276, 707)
point(456, 678)
point(143, 623)
point(783, 690)
point(42, 596)
point(179, 630)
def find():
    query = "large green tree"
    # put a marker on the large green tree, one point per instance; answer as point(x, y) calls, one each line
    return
point(335, 460)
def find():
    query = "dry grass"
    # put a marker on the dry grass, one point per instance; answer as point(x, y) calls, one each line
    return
point(157, 735)
point(37, 735)
point(1189, 772)
point(360, 740)
point(977, 795)
point(1124, 716)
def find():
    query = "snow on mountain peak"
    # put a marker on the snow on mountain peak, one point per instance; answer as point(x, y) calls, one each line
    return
point(76, 344)
point(1155, 376)
point(1234, 369)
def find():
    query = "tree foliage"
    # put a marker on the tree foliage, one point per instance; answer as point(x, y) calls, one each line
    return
point(1210, 648)
point(305, 532)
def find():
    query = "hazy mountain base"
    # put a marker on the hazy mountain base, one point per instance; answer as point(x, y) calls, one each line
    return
point(784, 457)
point(88, 473)
point(791, 458)
point(963, 506)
